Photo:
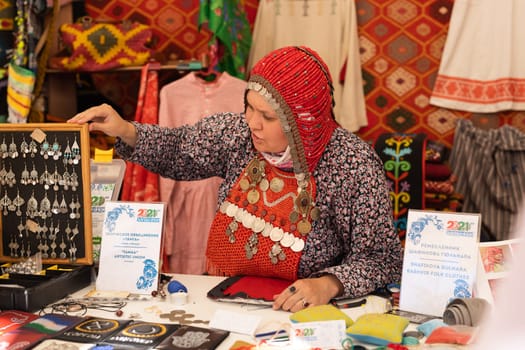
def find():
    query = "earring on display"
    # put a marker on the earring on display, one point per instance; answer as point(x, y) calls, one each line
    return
point(55, 208)
point(67, 154)
point(45, 178)
point(32, 206)
point(24, 147)
point(10, 177)
point(3, 174)
point(5, 202)
point(74, 180)
point(44, 149)
point(45, 207)
point(63, 205)
point(66, 179)
point(56, 178)
point(33, 148)
point(18, 202)
point(13, 151)
point(55, 150)
point(24, 175)
point(33, 176)
point(75, 151)
point(3, 149)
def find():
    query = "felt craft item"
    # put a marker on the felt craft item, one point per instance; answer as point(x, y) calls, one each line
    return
point(437, 171)
point(248, 289)
point(326, 312)
point(461, 335)
point(428, 327)
point(465, 311)
point(96, 46)
point(378, 329)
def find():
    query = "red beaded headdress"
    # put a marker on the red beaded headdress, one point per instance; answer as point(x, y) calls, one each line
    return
point(296, 82)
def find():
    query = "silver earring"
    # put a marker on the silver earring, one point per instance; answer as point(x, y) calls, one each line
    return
point(55, 208)
point(18, 202)
point(45, 207)
point(44, 149)
point(5, 202)
point(33, 176)
point(13, 151)
point(55, 150)
point(24, 147)
point(32, 206)
point(24, 176)
point(3, 149)
point(75, 152)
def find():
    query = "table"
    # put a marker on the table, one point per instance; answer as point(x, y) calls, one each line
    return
point(204, 308)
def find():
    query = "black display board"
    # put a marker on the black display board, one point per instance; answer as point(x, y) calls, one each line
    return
point(45, 200)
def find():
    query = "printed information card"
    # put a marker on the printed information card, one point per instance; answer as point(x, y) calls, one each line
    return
point(131, 243)
point(440, 260)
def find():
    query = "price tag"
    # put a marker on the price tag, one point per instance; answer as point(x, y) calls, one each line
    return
point(323, 334)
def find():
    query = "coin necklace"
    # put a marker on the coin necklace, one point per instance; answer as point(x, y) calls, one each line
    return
point(254, 175)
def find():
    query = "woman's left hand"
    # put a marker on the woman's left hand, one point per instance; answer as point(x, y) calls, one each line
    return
point(308, 292)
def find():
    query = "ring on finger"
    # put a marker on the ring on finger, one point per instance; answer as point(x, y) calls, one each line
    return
point(292, 289)
point(305, 303)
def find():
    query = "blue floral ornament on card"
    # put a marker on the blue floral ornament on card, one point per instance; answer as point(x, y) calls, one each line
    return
point(113, 215)
point(462, 289)
point(149, 273)
point(417, 227)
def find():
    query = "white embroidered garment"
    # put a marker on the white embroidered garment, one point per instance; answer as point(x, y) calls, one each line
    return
point(482, 68)
point(328, 27)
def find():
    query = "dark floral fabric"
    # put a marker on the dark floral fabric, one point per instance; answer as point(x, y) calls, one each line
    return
point(354, 239)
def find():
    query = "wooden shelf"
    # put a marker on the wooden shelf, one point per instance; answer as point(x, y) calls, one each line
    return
point(62, 90)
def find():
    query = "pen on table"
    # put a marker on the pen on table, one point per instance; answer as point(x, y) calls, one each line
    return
point(275, 334)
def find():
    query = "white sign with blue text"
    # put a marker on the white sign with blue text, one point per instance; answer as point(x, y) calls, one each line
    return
point(440, 260)
point(131, 246)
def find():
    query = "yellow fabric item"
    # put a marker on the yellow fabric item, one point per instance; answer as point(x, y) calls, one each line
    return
point(378, 329)
point(21, 82)
point(326, 312)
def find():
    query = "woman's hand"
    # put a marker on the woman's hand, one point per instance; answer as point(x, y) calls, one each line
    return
point(104, 118)
point(308, 292)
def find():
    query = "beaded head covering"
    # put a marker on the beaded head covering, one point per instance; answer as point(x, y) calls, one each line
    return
point(296, 82)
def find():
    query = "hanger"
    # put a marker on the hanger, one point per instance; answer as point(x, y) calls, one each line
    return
point(210, 60)
point(209, 75)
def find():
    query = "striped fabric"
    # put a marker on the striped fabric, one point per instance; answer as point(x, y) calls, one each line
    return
point(489, 165)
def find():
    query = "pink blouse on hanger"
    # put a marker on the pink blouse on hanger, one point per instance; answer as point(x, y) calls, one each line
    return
point(191, 205)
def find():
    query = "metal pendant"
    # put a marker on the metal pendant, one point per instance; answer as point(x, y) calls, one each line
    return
point(244, 184)
point(304, 227)
point(264, 185)
point(253, 196)
point(315, 213)
point(276, 185)
point(294, 217)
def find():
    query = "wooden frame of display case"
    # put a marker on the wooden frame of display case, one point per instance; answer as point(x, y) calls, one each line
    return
point(56, 173)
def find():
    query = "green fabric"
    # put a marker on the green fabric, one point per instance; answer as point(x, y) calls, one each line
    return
point(227, 21)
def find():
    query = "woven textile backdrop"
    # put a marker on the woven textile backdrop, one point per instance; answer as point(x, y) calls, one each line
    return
point(175, 28)
point(401, 46)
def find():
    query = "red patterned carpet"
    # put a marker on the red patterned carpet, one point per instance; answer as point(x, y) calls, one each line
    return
point(401, 45)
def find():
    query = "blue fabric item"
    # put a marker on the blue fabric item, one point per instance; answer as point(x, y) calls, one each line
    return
point(429, 326)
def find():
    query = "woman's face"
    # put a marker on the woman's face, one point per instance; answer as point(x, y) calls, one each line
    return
point(267, 134)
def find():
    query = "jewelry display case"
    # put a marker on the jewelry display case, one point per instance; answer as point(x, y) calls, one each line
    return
point(45, 213)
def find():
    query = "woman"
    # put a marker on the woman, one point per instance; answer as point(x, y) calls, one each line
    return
point(302, 199)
